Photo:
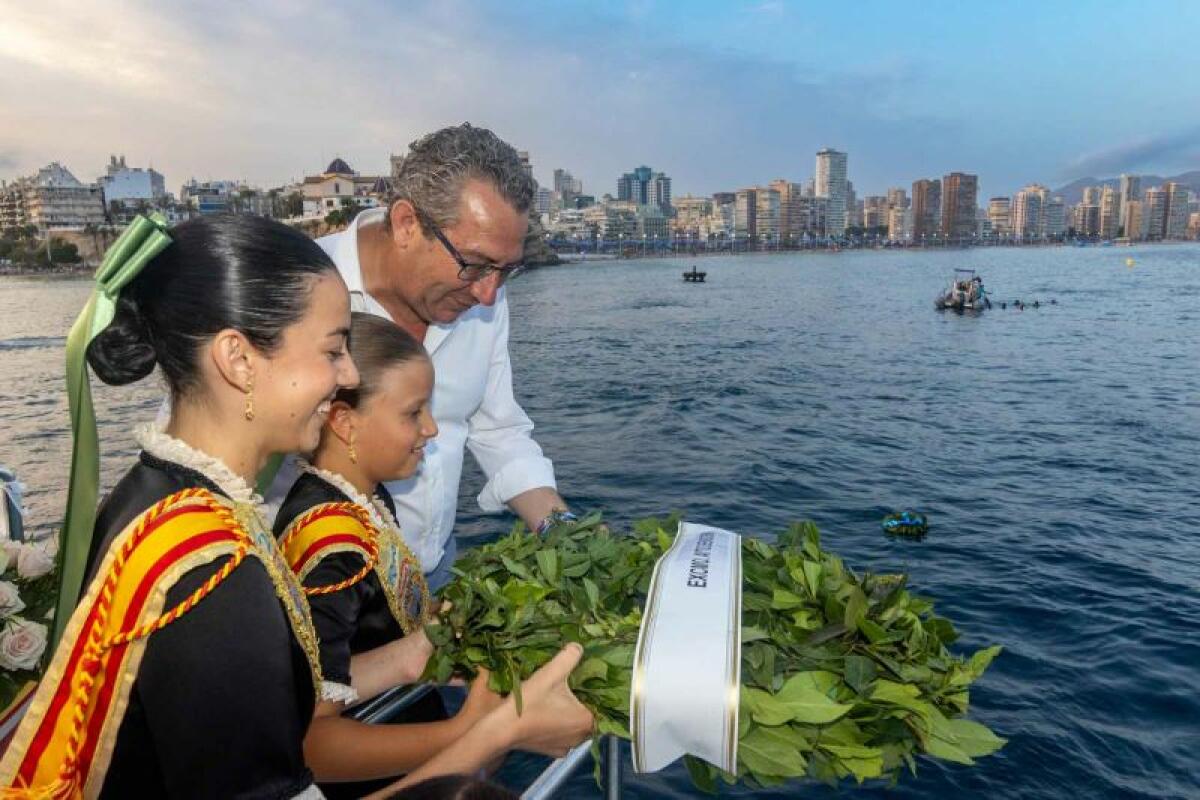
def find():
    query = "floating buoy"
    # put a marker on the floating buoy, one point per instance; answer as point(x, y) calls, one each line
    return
point(1129, 262)
point(906, 523)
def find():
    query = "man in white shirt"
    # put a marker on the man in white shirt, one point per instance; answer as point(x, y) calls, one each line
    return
point(435, 261)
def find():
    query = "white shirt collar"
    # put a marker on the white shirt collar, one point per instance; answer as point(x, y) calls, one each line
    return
point(345, 255)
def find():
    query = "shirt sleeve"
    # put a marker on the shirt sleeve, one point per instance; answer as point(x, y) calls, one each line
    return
point(500, 433)
point(219, 687)
point(335, 616)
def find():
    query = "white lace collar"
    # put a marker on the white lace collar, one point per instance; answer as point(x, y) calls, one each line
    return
point(160, 444)
point(379, 513)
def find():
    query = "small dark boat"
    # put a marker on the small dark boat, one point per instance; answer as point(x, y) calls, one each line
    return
point(906, 523)
point(694, 276)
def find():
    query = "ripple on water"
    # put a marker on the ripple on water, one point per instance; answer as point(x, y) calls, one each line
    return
point(1055, 452)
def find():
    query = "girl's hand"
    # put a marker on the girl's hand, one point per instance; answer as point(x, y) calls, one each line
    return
point(481, 700)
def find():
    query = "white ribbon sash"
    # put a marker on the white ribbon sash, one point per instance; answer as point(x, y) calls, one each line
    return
point(687, 665)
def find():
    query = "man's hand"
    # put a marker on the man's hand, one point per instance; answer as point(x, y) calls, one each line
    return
point(535, 505)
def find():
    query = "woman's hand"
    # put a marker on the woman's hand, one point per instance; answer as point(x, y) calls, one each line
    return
point(552, 720)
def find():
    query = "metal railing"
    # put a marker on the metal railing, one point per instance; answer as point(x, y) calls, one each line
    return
point(561, 769)
point(551, 779)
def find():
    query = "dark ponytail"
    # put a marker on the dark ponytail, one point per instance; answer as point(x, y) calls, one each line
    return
point(375, 345)
point(220, 271)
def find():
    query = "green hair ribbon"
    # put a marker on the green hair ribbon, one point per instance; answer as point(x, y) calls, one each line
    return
point(141, 241)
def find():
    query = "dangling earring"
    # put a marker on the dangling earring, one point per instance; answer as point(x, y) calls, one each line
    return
point(249, 412)
point(353, 455)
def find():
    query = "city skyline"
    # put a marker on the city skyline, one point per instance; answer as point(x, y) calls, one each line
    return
point(740, 94)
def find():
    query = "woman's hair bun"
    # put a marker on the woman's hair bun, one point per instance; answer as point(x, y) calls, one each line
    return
point(123, 353)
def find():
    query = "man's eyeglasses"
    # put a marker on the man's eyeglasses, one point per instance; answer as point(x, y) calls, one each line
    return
point(468, 272)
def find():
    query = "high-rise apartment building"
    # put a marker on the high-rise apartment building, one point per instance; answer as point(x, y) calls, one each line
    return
point(1028, 220)
point(1176, 216)
point(926, 208)
point(767, 216)
point(1091, 195)
point(1131, 186)
point(745, 213)
point(1135, 220)
point(959, 191)
point(853, 207)
point(830, 182)
point(1155, 211)
point(1110, 213)
point(791, 223)
point(645, 187)
point(900, 223)
point(691, 214)
point(1086, 219)
point(634, 186)
point(566, 183)
point(875, 212)
point(1054, 216)
point(897, 198)
point(999, 215)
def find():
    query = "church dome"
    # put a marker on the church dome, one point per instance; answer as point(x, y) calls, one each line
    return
point(338, 167)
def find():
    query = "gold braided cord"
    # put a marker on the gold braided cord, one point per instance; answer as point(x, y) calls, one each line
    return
point(67, 785)
point(372, 545)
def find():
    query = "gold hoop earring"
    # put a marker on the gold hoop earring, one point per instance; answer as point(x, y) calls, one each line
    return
point(249, 412)
point(353, 455)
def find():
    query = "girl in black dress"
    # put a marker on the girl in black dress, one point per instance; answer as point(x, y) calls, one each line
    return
point(338, 531)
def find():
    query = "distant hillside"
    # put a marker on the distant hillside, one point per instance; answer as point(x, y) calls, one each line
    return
point(1073, 191)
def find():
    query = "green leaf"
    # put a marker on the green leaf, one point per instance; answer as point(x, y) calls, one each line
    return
point(860, 671)
point(782, 598)
point(753, 634)
point(703, 774)
point(590, 669)
point(547, 560)
point(872, 631)
point(818, 680)
point(856, 608)
point(982, 659)
point(812, 576)
point(974, 739)
point(862, 762)
point(940, 748)
point(516, 568)
point(619, 656)
point(763, 707)
point(593, 592)
point(809, 705)
point(770, 753)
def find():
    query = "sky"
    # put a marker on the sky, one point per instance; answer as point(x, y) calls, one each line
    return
point(718, 94)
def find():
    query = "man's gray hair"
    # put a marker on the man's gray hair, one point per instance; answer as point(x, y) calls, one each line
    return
point(437, 166)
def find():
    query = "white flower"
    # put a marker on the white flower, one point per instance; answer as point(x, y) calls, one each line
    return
point(11, 550)
point(36, 559)
point(3, 560)
point(21, 644)
point(10, 599)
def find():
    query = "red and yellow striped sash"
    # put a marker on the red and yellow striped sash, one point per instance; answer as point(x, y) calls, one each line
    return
point(347, 527)
point(327, 529)
point(65, 742)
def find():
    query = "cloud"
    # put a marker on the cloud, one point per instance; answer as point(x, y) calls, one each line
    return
point(1170, 151)
point(273, 90)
